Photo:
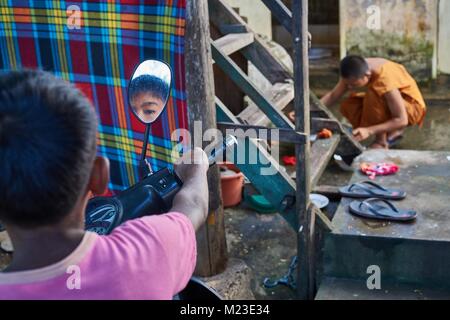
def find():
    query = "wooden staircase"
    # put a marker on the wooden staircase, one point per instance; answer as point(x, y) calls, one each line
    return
point(267, 110)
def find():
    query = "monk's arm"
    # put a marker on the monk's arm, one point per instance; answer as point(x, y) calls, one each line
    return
point(398, 121)
point(334, 95)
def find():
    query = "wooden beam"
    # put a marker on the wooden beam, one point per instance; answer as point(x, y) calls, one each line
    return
point(211, 241)
point(223, 16)
point(323, 220)
point(233, 28)
point(317, 124)
point(303, 183)
point(242, 80)
point(280, 95)
point(280, 12)
point(348, 146)
point(234, 42)
point(278, 188)
point(283, 135)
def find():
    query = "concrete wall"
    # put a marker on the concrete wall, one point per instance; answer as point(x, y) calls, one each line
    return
point(444, 37)
point(401, 30)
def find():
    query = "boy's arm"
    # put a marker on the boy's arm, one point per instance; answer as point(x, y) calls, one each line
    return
point(192, 200)
point(334, 95)
point(398, 121)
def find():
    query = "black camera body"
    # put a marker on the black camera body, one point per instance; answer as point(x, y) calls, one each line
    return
point(152, 195)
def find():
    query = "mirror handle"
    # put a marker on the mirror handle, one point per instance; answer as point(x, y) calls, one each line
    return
point(145, 169)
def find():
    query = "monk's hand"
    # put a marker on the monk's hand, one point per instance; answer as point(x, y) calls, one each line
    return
point(362, 134)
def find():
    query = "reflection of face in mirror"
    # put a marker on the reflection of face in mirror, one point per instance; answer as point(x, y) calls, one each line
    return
point(148, 95)
point(149, 90)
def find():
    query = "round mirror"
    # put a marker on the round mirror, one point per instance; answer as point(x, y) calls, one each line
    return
point(148, 91)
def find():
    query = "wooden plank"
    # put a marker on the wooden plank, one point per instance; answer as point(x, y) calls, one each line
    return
point(223, 16)
point(280, 95)
point(278, 134)
point(234, 42)
point(348, 146)
point(280, 12)
point(317, 124)
point(323, 220)
point(233, 28)
point(223, 85)
point(321, 153)
point(278, 188)
point(211, 241)
point(242, 80)
point(302, 124)
point(259, 54)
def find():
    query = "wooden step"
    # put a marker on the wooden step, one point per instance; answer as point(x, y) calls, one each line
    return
point(225, 19)
point(234, 42)
point(321, 153)
point(346, 289)
point(348, 146)
point(242, 80)
point(280, 95)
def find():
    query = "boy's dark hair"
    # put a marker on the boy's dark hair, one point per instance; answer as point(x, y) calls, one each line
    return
point(148, 83)
point(47, 147)
point(354, 67)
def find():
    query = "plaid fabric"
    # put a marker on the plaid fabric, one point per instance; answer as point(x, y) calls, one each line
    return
point(99, 57)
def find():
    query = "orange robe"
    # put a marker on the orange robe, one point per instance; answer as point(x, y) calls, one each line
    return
point(370, 108)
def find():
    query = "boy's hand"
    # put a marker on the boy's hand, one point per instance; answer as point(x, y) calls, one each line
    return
point(192, 200)
point(192, 163)
point(362, 134)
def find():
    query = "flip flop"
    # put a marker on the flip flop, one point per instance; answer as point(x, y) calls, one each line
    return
point(374, 209)
point(369, 189)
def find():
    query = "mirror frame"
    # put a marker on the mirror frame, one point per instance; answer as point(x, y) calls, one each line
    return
point(168, 96)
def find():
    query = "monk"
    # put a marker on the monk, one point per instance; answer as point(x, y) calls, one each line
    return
point(390, 102)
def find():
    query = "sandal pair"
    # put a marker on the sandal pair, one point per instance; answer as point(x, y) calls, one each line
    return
point(376, 206)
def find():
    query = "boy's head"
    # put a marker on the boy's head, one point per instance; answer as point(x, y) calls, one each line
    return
point(355, 71)
point(148, 95)
point(47, 149)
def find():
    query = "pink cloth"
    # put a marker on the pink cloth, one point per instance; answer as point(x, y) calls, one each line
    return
point(378, 169)
point(147, 258)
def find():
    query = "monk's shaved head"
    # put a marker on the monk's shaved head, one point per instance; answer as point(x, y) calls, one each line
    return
point(355, 67)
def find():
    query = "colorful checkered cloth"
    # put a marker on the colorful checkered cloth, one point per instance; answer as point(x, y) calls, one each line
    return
point(97, 45)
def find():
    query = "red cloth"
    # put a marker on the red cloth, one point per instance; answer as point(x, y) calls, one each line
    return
point(289, 160)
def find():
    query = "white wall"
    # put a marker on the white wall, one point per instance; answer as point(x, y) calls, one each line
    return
point(401, 30)
point(444, 37)
point(257, 14)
